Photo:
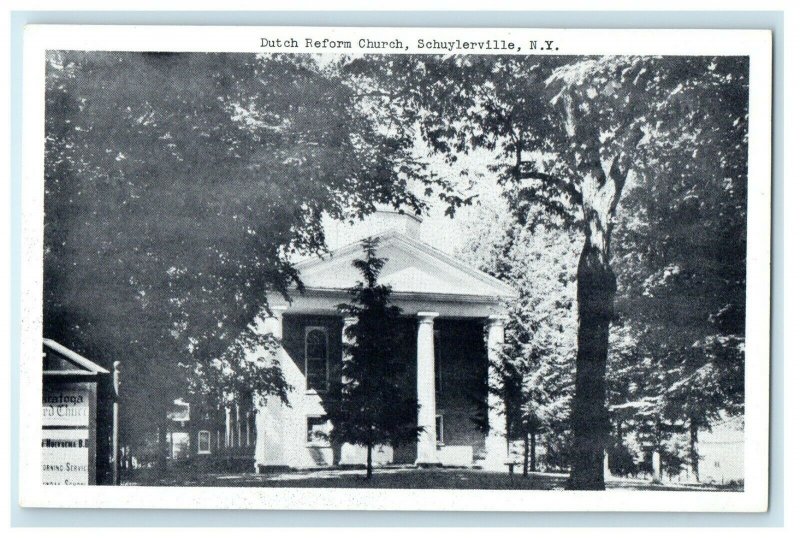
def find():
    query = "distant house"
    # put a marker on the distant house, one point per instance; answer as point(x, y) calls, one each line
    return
point(198, 433)
point(721, 451)
point(453, 322)
point(178, 438)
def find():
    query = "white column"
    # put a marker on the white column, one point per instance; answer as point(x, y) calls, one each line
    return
point(247, 416)
point(269, 451)
point(426, 390)
point(496, 443)
point(656, 466)
point(228, 428)
point(238, 425)
point(350, 454)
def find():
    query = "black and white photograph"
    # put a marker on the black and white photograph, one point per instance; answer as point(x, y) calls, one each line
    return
point(487, 261)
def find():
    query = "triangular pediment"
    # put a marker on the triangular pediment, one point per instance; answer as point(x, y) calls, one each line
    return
point(411, 267)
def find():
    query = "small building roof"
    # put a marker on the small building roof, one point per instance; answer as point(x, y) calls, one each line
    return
point(84, 365)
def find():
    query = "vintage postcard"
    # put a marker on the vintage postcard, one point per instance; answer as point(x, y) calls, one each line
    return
point(348, 268)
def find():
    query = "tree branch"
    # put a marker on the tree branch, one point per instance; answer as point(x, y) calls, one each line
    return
point(566, 186)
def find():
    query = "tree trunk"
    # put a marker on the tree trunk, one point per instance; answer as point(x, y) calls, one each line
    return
point(533, 452)
point(694, 457)
point(597, 285)
point(525, 456)
point(369, 461)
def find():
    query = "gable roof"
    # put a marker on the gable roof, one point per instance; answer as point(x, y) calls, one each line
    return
point(84, 365)
point(411, 267)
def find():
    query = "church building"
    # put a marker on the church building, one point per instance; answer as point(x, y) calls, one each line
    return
point(453, 318)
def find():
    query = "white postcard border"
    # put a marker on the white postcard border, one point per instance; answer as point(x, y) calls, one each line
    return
point(754, 43)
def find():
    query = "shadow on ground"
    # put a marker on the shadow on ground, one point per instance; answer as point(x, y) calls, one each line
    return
point(383, 478)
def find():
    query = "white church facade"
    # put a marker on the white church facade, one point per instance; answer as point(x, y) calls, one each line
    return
point(453, 318)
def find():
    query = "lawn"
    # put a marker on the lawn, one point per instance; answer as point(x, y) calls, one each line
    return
point(391, 478)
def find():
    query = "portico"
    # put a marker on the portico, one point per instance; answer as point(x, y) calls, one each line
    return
point(447, 309)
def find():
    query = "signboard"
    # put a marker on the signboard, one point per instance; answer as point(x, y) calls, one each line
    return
point(67, 444)
point(65, 457)
point(71, 446)
point(65, 407)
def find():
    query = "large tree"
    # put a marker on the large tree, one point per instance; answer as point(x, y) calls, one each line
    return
point(681, 259)
point(178, 188)
point(569, 134)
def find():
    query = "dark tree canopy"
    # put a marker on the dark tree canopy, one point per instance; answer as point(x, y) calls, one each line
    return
point(178, 186)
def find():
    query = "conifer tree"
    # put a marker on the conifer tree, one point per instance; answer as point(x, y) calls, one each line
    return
point(534, 373)
point(371, 406)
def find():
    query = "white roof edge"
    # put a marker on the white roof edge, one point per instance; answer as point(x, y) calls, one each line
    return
point(508, 291)
point(435, 297)
point(74, 357)
point(393, 211)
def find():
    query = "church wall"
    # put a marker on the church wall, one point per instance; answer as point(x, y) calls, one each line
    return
point(461, 395)
point(299, 452)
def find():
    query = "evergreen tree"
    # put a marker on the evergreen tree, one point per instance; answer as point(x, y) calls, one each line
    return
point(534, 373)
point(371, 405)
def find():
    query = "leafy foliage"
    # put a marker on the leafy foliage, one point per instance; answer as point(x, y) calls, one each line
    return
point(681, 259)
point(249, 367)
point(178, 188)
point(569, 135)
point(535, 370)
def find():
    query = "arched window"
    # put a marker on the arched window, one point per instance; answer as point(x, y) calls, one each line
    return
point(317, 358)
